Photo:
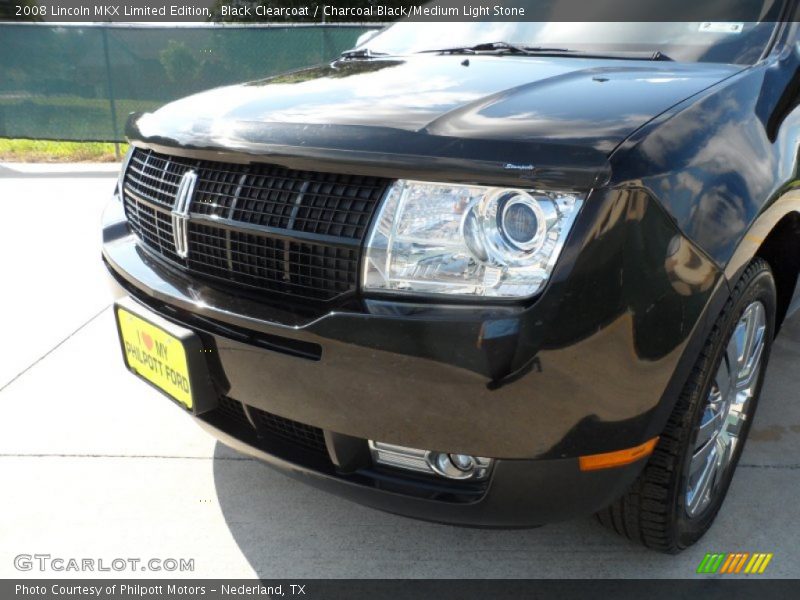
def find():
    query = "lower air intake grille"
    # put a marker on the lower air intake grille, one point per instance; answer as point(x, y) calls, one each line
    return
point(233, 410)
point(294, 431)
point(268, 424)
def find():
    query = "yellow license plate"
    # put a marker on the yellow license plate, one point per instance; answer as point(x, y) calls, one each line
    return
point(155, 356)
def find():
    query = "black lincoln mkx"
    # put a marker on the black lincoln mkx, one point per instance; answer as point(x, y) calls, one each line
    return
point(531, 273)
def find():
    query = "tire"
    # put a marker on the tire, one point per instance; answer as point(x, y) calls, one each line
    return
point(667, 508)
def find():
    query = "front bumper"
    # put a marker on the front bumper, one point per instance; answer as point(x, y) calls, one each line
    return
point(520, 493)
point(534, 387)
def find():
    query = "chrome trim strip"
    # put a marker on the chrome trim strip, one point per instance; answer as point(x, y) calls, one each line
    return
point(282, 234)
point(180, 212)
point(423, 461)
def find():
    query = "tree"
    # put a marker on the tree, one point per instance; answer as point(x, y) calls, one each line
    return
point(179, 63)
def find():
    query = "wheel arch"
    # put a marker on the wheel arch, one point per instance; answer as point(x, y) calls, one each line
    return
point(775, 237)
point(781, 249)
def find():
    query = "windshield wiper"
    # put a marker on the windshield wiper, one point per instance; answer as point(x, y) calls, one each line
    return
point(497, 47)
point(361, 53)
point(506, 48)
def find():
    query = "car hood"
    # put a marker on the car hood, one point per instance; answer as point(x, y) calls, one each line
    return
point(512, 117)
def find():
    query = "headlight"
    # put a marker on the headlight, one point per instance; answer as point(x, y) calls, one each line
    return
point(467, 240)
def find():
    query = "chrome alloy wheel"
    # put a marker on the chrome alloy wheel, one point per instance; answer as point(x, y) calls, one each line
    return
point(726, 408)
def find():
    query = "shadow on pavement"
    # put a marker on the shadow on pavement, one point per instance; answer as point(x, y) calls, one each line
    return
point(288, 529)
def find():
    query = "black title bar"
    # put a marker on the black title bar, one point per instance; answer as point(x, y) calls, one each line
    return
point(418, 589)
point(384, 11)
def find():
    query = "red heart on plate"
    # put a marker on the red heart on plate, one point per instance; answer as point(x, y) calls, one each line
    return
point(148, 341)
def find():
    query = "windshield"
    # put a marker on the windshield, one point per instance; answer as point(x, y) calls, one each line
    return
point(723, 42)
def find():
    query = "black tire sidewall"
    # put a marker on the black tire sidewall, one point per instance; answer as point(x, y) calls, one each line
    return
point(761, 286)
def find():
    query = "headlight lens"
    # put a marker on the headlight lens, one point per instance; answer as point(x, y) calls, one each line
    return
point(467, 240)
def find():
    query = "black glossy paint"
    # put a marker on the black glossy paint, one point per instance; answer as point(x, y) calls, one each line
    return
point(691, 168)
point(432, 116)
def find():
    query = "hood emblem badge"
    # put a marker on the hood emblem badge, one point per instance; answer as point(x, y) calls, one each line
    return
point(515, 167)
point(180, 213)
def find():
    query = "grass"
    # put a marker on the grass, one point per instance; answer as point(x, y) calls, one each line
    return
point(49, 151)
point(65, 117)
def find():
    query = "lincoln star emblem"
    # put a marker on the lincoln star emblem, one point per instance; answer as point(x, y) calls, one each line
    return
point(180, 213)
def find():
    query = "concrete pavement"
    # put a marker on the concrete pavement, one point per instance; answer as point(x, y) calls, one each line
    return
point(95, 464)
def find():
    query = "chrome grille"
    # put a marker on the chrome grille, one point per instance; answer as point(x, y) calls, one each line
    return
point(154, 177)
point(259, 226)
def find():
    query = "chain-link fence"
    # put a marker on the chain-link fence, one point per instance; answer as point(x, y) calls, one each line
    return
point(81, 82)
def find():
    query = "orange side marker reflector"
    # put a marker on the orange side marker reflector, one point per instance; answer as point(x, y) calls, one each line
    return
point(618, 458)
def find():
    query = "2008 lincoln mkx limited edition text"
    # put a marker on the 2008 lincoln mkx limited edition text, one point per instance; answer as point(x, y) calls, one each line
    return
point(492, 274)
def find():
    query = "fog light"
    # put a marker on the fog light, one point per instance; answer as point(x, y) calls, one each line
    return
point(463, 462)
point(443, 464)
point(453, 466)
